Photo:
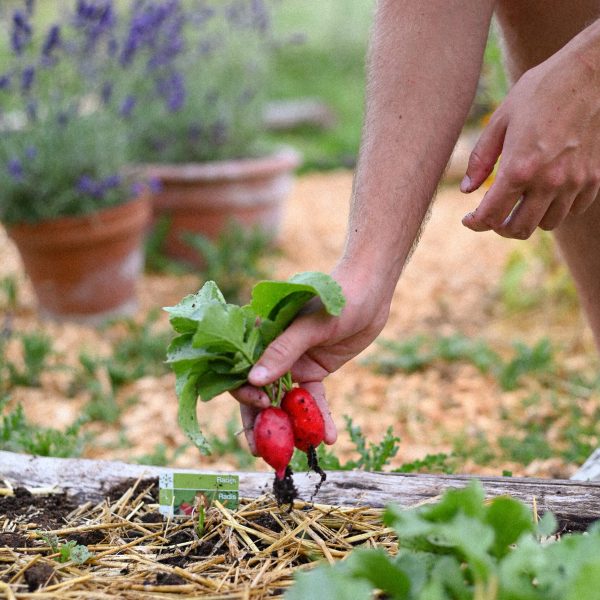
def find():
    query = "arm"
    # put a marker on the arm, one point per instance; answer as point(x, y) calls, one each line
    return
point(424, 64)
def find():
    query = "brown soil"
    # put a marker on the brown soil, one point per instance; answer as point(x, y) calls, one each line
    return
point(451, 285)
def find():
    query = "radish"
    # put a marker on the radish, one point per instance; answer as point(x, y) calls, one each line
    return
point(307, 420)
point(274, 439)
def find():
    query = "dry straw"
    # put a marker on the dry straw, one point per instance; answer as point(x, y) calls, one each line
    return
point(250, 553)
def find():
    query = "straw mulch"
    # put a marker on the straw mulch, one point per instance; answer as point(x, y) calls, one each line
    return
point(251, 553)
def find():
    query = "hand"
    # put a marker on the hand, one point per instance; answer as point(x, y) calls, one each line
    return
point(547, 130)
point(315, 345)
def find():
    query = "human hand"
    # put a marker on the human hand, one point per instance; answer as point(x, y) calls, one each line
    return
point(315, 345)
point(547, 130)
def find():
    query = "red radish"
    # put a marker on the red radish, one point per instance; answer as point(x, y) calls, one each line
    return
point(274, 438)
point(307, 420)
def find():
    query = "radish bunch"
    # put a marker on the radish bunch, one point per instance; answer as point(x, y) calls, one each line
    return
point(298, 422)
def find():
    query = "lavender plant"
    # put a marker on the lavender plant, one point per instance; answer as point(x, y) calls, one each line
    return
point(201, 69)
point(62, 148)
point(111, 83)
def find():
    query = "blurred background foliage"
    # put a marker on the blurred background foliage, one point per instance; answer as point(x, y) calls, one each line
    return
point(320, 54)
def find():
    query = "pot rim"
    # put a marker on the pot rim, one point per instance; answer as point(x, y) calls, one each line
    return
point(282, 160)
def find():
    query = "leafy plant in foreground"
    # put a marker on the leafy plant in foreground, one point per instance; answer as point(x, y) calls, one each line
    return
point(463, 547)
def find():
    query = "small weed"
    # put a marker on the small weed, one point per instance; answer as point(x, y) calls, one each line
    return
point(234, 260)
point(475, 448)
point(155, 259)
point(160, 456)
point(432, 463)
point(524, 449)
point(420, 352)
point(9, 292)
point(18, 435)
point(37, 349)
point(67, 551)
point(140, 352)
point(536, 359)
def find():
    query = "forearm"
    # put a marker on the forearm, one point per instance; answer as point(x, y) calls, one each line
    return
point(424, 64)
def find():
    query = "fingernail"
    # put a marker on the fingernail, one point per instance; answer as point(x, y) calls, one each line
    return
point(465, 184)
point(259, 375)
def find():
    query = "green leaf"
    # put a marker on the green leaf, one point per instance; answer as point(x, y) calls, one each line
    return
point(212, 384)
point(184, 316)
point(223, 328)
point(586, 584)
point(510, 519)
point(328, 583)
point(376, 567)
point(181, 353)
point(270, 299)
point(188, 420)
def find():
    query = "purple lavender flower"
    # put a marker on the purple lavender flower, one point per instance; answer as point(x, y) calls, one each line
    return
point(27, 78)
point(137, 188)
point(4, 82)
point(31, 152)
point(15, 169)
point(31, 109)
point(157, 26)
point(21, 32)
point(88, 186)
point(52, 40)
point(95, 18)
point(106, 92)
point(261, 17)
point(155, 185)
point(127, 106)
point(172, 89)
point(110, 182)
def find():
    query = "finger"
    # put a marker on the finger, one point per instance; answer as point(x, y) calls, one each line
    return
point(251, 396)
point(317, 390)
point(281, 354)
point(248, 415)
point(526, 216)
point(484, 155)
point(585, 199)
point(496, 206)
point(555, 215)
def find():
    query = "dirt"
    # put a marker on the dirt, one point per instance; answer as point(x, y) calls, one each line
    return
point(450, 285)
point(47, 511)
point(38, 575)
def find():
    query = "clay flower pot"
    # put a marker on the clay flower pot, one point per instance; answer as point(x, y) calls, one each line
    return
point(205, 197)
point(85, 268)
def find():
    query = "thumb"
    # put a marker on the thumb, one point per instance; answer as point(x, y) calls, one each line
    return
point(281, 354)
point(484, 155)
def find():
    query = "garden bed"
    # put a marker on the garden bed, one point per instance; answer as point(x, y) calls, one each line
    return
point(81, 528)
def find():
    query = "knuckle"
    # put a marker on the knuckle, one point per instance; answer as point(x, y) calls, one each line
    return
point(277, 351)
point(555, 177)
point(521, 172)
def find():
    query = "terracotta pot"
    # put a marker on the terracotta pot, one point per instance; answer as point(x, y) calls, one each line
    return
point(205, 197)
point(85, 268)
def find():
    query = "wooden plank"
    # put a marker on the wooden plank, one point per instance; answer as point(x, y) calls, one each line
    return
point(590, 469)
point(576, 504)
